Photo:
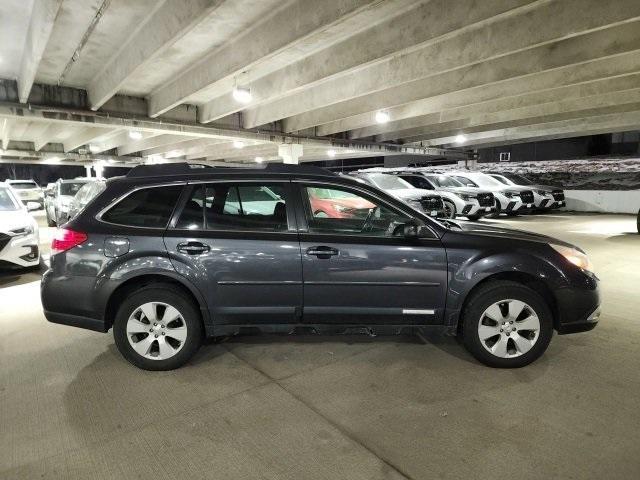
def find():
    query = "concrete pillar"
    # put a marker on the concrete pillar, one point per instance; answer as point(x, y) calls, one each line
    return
point(87, 169)
point(290, 152)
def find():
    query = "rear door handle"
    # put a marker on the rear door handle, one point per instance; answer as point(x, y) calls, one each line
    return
point(193, 248)
point(322, 251)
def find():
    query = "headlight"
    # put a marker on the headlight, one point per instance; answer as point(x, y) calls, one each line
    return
point(339, 208)
point(465, 197)
point(20, 232)
point(575, 256)
point(508, 194)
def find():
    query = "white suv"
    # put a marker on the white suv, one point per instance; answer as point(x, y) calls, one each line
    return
point(27, 191)
point(19, 237)
point(511, 200)
point(459, 199)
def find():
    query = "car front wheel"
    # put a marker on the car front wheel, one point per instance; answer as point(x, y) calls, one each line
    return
point(506, 325)
point(157, 328)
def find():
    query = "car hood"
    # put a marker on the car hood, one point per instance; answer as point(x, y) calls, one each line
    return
point(12, 219)
point(507, 233)
point(463, 190)
point(412, 193)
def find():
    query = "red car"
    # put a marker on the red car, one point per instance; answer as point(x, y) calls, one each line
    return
point(337, 204)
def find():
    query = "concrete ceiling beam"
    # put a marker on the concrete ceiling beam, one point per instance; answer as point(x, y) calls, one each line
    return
point(43, 16)
point(151, 142)
point(84, 137)
point(617, 119)
point(374, 44)
point(329, 102)
point(286, 27)
point(167, 23)
point(472, 117)
point(583, 91)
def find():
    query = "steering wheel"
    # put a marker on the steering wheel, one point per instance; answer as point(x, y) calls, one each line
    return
point(367, 221)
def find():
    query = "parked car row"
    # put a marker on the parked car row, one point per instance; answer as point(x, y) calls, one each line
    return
point(465, 193)
point(65, 198)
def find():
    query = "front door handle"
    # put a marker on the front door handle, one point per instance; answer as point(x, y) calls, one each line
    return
point(193, 248)
point(322, 251)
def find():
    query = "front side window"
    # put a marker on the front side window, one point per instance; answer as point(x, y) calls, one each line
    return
point(225, 206)
point(147, 207)
point(337, 211)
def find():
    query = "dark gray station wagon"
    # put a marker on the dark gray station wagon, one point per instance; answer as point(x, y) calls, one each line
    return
point(170, 254)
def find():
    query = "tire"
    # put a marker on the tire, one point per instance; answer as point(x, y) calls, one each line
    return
point(50, 222)
point(474, 218)
point(519, 349)
point(449, 209)
point(496, 214)
point(179, 339)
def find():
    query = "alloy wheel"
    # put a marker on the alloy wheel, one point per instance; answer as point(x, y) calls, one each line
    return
point(509, 328)
point(156, 330)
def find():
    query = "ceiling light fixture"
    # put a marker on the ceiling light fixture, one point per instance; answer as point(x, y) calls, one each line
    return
point(461, 138)
point(331, 153)
point(382, 116)
point(238, 144)
point(242, 94)
point(135, 135)
point(94, 148)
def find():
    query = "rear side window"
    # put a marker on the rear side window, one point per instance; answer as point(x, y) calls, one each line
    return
point(221, 206)
point(147, 207)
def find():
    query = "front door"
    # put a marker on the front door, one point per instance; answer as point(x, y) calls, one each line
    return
point(357, 266)
point(237, 242)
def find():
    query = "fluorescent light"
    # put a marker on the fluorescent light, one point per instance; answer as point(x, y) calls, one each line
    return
point(461, 138)
point(242, 94)
point(238, 144)
point(135, 135)
point(259, 159)
point(94, 148)
point(382, 116)
point(331, 153)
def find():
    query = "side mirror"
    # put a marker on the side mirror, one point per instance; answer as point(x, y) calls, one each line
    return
point(414, 230)
point(31, 206)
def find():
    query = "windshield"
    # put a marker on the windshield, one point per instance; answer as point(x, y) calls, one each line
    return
point(7, 200)
point(70, 188)
point(445, 181)
point(26, 185)
point(465, 181)
point(486, 181)
point(500, 179)
point(389, 182)
point(518, 179)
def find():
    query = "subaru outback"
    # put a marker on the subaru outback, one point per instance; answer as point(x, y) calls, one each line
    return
point(171, 254)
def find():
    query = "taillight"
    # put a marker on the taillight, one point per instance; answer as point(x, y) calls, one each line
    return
point(65, 239)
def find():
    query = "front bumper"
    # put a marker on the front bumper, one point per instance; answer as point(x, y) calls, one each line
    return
point(578, 303)
point(476, 209)
point(21, 251)
point(582, 326)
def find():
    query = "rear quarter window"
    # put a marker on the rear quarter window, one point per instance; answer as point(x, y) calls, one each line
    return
point(148, 207)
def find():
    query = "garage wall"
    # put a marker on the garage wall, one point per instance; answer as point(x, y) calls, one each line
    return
point(606, 201)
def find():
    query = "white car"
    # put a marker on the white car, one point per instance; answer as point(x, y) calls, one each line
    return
point(59, 198)
point(459, 199)
point(19, 236)
point(510, 199)
point(544, 197)
point(28, 191)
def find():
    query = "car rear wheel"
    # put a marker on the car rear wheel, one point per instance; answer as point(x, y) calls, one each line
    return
point(157, 328)
point(50, 221)
point(506, 325)
point(449, 209)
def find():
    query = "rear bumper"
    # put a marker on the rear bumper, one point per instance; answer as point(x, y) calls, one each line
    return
point(94, 324)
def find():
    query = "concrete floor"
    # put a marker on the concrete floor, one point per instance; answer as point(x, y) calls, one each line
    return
point(330, 407)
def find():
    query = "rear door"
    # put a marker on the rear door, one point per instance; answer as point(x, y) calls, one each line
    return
point(357, 266)
point(237, 242)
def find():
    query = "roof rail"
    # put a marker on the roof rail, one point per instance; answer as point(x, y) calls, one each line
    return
point(295, 168)
point(163, 169)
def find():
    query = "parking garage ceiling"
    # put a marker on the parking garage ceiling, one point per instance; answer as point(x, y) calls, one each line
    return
point(232, 80)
